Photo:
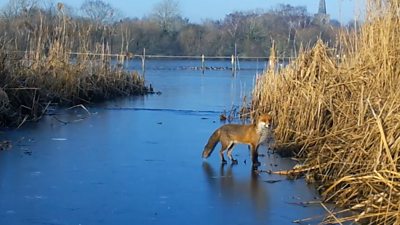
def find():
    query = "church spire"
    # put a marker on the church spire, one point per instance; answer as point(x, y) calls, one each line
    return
point(322, 7)
point(321, 17)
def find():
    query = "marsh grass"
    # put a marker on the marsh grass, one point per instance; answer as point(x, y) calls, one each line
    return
point(37, 67)
point(342, 117)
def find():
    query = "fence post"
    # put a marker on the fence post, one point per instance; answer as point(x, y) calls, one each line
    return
point(143, 63)
point(233, 65)
point(236, 59)
point(202, 63)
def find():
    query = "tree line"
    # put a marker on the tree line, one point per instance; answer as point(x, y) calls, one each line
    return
point(164, 31)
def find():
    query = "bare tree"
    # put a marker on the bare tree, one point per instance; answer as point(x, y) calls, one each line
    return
point(99, 11)
point(167, 14)
point(16, 7)
point(232, 22)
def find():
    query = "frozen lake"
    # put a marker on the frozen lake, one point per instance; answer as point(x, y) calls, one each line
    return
point(138, 160)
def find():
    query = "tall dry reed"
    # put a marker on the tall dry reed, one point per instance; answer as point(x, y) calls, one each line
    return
point(342, 116)
point(37, 67)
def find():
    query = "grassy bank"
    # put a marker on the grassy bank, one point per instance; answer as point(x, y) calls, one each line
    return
point(342, 117)
point(37, 68)
point(26, 91)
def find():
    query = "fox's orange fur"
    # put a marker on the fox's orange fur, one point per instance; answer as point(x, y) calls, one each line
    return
point(231, 134)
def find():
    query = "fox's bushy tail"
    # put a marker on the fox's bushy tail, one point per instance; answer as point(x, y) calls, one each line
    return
point(212, 142)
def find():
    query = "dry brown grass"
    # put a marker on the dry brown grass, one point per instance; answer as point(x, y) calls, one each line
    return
point(343, 117)
point(39, 67)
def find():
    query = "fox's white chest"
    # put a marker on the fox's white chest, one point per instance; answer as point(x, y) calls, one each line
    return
point(263, 133)
point(263, 136)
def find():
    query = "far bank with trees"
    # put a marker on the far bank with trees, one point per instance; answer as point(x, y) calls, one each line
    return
point(165, 31)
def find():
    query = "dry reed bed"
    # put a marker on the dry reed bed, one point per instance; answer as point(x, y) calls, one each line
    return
point(343, 118)
point(27, 89)
point(37, 69)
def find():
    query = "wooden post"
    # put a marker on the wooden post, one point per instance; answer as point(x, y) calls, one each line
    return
point(143, 63)
point(236, 58)
point(257, 65)
point(202, 63)
point(233, 65)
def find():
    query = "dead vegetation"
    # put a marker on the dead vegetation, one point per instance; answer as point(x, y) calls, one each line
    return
point(342, 115)
point(37, 67)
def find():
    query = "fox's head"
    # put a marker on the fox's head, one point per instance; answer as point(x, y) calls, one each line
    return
point(264, 121)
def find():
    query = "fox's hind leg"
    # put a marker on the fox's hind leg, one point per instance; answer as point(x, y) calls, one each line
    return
point(221, 152)
point(230, 149)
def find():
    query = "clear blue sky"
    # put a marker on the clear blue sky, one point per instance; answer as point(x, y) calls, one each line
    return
point(197, 10)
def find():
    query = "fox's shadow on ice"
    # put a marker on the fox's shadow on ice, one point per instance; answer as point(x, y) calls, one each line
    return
point(233, 189)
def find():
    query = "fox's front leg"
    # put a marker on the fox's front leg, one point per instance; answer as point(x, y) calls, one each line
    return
point(254, 155)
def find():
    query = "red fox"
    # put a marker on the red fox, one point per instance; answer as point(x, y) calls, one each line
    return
point(231, 134)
